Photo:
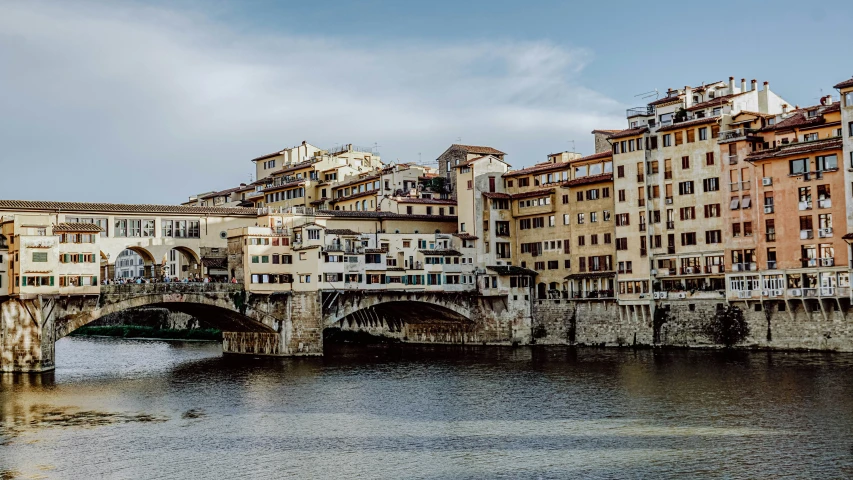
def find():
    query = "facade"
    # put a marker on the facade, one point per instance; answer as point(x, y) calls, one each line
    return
point(47, 257)
point(128, 265)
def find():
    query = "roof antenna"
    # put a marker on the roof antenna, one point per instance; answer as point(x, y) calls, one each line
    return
point(573, 145)
point(649, 94)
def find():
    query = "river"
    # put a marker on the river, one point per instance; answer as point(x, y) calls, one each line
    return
point(119, 408)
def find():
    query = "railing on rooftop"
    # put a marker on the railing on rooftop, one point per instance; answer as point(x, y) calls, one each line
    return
point(736, 133)
point(640, 111)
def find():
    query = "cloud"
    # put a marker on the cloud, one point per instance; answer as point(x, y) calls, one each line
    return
point(139, 104)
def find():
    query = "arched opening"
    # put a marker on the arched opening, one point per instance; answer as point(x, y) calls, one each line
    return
point(182, 263)
point(541, 291)
point(411, 321)
point(132, 264)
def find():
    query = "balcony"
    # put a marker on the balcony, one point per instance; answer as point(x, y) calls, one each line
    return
point(640, 111)
point(744, 267)
point(715, 269)
point(735, 134)
point(824, 203)
point(807, 205)
point(732, 159)
point(806, 234)
point(690, 270)
point(734, 186)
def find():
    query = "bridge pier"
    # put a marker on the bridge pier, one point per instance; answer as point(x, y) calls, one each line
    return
point(26, 334)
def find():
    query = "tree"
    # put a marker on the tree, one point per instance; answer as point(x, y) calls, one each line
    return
point(728, 326)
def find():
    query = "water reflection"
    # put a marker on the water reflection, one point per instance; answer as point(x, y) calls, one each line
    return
point(137, 409)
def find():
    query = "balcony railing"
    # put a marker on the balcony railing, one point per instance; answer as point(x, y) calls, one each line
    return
point(744, 267)
point(733, 159)
point(640, 111)
point(825, 203)
point(806, 234)
point(735, 133)
point(715, 269)
point(734, 186)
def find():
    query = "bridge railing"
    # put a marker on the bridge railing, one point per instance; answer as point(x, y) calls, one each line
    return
point(153, 288)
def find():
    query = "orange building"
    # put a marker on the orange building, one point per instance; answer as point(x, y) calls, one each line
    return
point(785, 191)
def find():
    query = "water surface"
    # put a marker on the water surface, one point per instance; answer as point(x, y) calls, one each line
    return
point(119, 408)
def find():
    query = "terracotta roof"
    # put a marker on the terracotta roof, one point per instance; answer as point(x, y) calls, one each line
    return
point(269, 155)
point(320, 200)
point(664, 100)
point(293, 183)
point(590, 275)
point(76, 227)
point(465, 236)
point(496, 195)
point(444, 253)
point(539, 167)
point(357, 180)
point(534, 193)
point(715, 102)
point(478, 149)
point(341, 231)
point(689, 123)
point(797, 148)
point(594, 156)
point(604, 177)
point(297, 166)
point(605, 131)
point(432, 201)
point(468, 162)
point(216, 262)
point(845, 84)
point(385, 215)
point(799, 118)
point(512, 270)
point(221, 192)
point(749, 112)
point(122, 208)
point(630, 132)
point(365, 193)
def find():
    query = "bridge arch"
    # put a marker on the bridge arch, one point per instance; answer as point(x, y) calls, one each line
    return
point(396, 306)
point(221, 305)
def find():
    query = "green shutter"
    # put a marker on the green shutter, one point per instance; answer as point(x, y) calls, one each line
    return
point(51, 281)
point(23, 281)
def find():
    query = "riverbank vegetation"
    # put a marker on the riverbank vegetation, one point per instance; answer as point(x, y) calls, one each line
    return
point(138, 331)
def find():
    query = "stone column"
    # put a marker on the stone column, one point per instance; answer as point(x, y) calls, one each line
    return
point(27, 336)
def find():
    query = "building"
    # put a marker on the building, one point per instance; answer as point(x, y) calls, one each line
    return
point(128, 265)
point(44, 256)
point(456, 155)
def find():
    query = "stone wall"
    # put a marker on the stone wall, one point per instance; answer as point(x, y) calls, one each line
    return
point(590, 322)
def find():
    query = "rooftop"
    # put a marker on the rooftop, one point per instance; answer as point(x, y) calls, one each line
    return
point(68, 207)
point(76, 227)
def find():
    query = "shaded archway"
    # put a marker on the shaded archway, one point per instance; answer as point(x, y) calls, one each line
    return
point(179, 263)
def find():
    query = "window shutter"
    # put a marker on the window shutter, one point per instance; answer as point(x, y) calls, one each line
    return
point(51, 281)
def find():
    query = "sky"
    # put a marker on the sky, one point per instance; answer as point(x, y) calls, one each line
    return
point(151, 102)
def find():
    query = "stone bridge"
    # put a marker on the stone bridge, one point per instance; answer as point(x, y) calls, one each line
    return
point(282, 324)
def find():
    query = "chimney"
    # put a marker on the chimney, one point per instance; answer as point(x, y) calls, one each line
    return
point(688, 96)
point(742, 85)
point(731, 84)
point(752, 87)
point(784, 108)
point(767, 86)
point(827, 100)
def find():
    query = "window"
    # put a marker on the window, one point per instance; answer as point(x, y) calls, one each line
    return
point(735, 203)
point(620, 170)
point(685, 162)
point(621, 194)
point(678, 138)
point(565, 219)
point(565, 199)
point(688, 213)
point(747, 229)
point(622, 243)
point(605, 215)
point(736, 230)
point(581, 240)
point(826, 162)
point(709, 158)
point(551, 221)
point(685, 188)
point(712, 210)
point(711, 184)
point(808, 137)
point(580, 218)
point(688, 238)
point(593, 217)
point(713, 236)
point(799, 167)
point(605, 192)
point(623, 219)
point(667, 140)
point(470, 184)
point(703, 133)
point(592, 194)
